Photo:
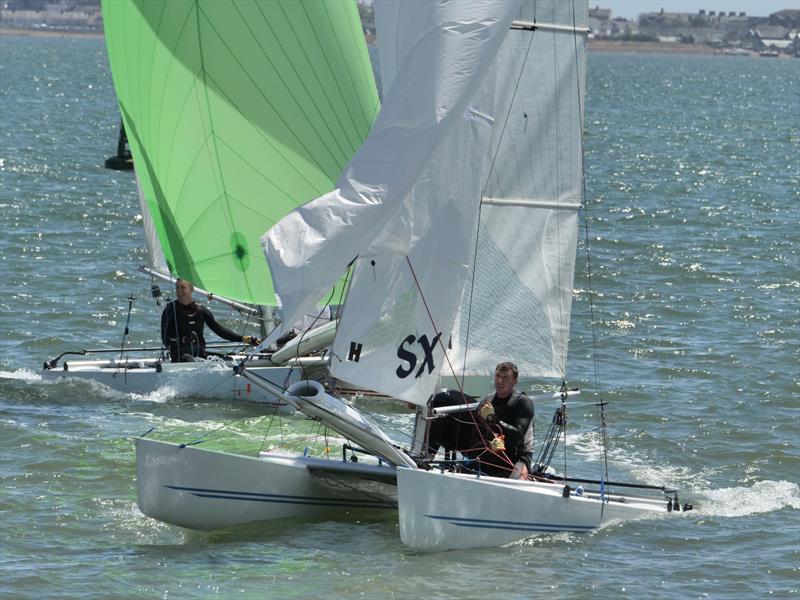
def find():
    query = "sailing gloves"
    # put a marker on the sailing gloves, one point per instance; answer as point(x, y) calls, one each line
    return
point(250, 339)
point(486, 411)
point(498, 444)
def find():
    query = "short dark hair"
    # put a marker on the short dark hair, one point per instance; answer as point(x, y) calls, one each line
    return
point(507, 366)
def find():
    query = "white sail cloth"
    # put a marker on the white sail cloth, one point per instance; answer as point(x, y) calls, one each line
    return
point(370, 211)
point(455, 129)
point(517, 303)
point(396, 325)
point(155, 256)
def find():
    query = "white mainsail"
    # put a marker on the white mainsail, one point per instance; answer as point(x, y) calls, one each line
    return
point(518, 301)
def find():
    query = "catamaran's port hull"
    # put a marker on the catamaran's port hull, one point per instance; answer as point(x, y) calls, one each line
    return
point(204, 490)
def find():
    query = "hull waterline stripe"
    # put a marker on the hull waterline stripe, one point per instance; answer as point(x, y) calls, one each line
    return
point(283, 499)
point(510, 525)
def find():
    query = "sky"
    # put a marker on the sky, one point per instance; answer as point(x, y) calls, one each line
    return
point(630, 9)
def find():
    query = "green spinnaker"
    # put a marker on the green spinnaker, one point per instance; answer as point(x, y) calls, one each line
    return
point(236, 111)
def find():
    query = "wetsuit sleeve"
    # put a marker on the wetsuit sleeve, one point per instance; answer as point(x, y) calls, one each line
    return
point(223, 332)
point(518, 422)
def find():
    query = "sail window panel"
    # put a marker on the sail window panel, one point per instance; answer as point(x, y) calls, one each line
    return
point(539, 148)
point(557, 12)
point(524, 268)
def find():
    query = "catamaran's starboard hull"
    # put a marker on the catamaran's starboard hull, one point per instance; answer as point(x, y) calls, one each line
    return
point(442, 511)
point(213, 380)
point(203, 489)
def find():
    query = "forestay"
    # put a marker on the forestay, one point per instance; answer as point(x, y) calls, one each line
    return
point(406, 206)
point(236, 112)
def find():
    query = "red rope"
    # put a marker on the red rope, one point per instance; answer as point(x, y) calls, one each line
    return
point(452, 370)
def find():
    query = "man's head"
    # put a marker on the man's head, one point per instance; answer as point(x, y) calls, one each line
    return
point(505, 378)
point(183, 291)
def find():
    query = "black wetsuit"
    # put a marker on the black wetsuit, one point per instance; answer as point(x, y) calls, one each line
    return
point(190, 320)
point(514, 418)
point(455, 431)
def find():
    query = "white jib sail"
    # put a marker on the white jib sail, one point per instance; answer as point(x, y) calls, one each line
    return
point(371, 210)
point(518, 306)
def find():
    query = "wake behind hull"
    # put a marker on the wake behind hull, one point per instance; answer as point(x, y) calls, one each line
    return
point(442, 511)
point(203, 489)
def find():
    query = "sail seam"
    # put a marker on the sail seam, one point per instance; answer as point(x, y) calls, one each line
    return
point(340, 149)
point(336, 81)
point(231, 224)
point(161, 112)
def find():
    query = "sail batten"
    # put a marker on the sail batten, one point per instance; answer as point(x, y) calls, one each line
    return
point(531, 203)
point(534, 25)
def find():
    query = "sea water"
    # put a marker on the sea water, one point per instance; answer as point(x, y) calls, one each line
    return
point(693, 205)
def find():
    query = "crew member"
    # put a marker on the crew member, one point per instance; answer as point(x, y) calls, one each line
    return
point(183, 321)
point(506, 419)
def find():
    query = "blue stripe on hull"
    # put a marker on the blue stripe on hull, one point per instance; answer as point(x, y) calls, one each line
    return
point(283, 499)
point(510, 525)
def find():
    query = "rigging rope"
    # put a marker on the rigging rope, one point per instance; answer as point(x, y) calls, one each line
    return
point(592, 323)
point(127, 330)
point(459, 383)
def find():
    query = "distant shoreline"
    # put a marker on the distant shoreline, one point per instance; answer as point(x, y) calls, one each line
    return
point(51, 33)
point(650, 47)
point(594, 45)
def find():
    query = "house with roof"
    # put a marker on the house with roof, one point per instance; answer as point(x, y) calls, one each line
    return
point(774, 38)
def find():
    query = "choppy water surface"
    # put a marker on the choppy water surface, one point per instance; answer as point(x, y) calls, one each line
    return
point(693, 202)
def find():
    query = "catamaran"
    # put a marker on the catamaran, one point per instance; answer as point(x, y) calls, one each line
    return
point(233, 118)
point(457, 221)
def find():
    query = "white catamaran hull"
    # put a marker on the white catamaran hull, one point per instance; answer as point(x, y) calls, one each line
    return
point(211, 379)
point(441, 511)
point(203, 489)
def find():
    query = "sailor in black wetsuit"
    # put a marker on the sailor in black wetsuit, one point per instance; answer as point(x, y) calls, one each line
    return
point(506, 417)
point(182, 324)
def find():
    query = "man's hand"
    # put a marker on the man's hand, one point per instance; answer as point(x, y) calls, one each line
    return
point(486, 412)
point(498, 444)
point(250, 339)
